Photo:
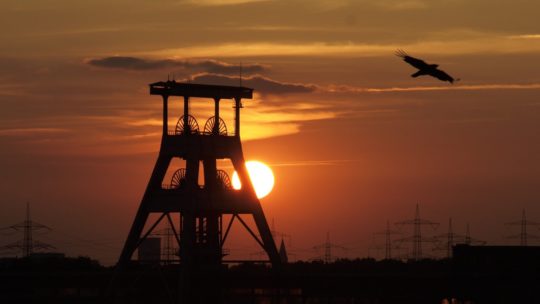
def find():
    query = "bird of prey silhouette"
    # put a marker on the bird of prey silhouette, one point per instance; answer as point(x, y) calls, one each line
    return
point(425, 68)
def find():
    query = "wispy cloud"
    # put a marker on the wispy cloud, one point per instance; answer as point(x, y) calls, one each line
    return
point(303, 163)
point(525, 36)
point(12, 90)
point(206, 65)
point(401, 4)
point(145, 122)
point(31, 131)
point(453, 44)
point(258, 82)
point(279, 49)
point(306, 163)
point(81, 31)
point(220, 2)
point(509, 86)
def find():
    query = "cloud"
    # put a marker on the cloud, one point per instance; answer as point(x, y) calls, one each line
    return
point(445, 42)
point(402, 4)
point(259, 83)
point(278, 49)
point(500, 86)
point(205, 65)
point(317, 163)
point(11, 90)
point(220, 2)
point(31, 131)
point(526, 36)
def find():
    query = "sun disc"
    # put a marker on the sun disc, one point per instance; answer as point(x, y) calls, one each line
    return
point(261, 177)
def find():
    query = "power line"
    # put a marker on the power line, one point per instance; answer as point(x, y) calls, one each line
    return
point(170, 251)
point(388, 240)
point(417, 238)
point(472, 241)
point(524, 235)
point(453, 238)
point(328, 246)
point(28, 244)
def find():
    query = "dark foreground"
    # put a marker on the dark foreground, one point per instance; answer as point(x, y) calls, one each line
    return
point(358, 281)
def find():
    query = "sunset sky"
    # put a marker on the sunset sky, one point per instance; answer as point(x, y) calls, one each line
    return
point(353, 140)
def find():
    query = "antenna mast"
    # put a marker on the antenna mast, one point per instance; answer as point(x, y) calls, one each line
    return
point(240, 73)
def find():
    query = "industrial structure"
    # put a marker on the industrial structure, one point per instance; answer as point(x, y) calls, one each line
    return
point(150, 250)
point(169, 248)
point(201, 231)
point(451, 239)
point(416, 238)
point(524, 235)
point(28, 244)
point(328, 246)
point(470, 240)
point(199, 194)
point(388, 240)
point(448, 240)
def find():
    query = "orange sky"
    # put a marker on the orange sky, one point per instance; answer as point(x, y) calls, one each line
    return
point(352, 139)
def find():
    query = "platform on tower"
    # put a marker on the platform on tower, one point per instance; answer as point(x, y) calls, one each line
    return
point(173, 88)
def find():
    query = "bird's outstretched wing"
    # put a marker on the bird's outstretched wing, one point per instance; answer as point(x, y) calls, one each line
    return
point(424, 68)
point(415, 62)
point(442, 75)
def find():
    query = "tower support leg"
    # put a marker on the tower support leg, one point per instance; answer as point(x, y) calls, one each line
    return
point(137, 227)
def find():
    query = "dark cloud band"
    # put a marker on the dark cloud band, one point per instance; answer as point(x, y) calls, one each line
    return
point(204, 65)
point(259, 83)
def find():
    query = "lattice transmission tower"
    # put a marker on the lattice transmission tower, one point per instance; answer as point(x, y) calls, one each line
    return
point(470, 240)
point(451, 238)
point(28, 244)
point(328, 246)
point(416, 238)
point(169, 250)
point(524, 235)
point(388, 240)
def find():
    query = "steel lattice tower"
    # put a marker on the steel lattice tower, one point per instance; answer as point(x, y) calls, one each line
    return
point(169, 251)
point(200, 231)
point(451, 239)
point(524, 235)
point(388, 240)
point(470, 240)
point(417, 238)
point(327, 246)
point(28, 243)
point(200, 235)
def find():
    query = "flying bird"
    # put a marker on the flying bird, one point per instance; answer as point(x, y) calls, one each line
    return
point(425, 68)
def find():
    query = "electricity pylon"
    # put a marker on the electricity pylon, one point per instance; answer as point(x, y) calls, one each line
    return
point(417, 238)
point(28, 244)
point(524, 235)
point(453, 238)
point(328, 246)
point(388, 240)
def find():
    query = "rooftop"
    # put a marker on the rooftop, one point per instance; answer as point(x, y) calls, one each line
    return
point(173, 88)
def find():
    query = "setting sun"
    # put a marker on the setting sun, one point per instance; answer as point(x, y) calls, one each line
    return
point(261, 176)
